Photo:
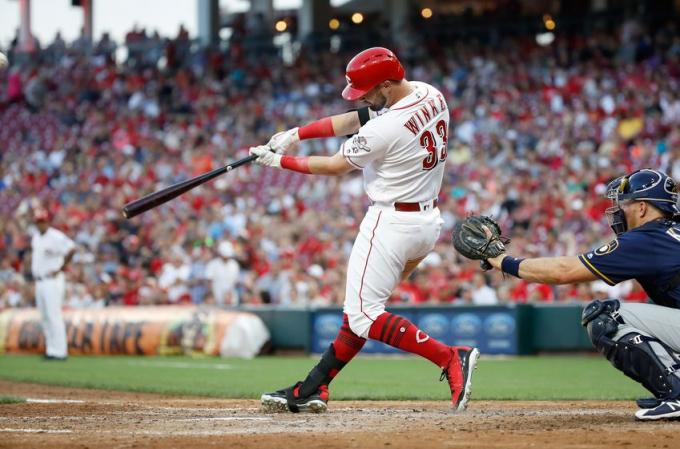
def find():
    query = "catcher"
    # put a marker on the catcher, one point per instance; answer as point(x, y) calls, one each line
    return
point(642, 340)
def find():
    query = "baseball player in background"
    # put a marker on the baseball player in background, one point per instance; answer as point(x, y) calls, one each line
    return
point(400, 143)
point(642, 340)
point(223, 273)
point(51, 252)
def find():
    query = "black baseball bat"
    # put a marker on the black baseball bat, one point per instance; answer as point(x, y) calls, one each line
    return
point(136, 207)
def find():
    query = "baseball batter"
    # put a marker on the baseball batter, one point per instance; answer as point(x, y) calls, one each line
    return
point(400, 143)
point(51, 252)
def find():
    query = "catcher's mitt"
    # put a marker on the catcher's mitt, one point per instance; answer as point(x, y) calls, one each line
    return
point(478, 237)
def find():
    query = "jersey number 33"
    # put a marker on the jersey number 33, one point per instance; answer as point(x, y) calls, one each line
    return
point(435, 146)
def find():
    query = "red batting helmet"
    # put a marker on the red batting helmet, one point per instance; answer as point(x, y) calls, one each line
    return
point(41, 214)
point(369, 68)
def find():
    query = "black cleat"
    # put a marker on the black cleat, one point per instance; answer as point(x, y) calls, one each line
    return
point(287, 400)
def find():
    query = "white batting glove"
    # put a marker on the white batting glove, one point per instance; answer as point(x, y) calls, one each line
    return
point(265, 156)
point(284, 141)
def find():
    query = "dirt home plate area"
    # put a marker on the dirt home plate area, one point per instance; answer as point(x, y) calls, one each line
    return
point(77, 418)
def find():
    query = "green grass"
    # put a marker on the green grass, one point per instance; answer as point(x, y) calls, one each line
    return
point(521, 378)
point(11, 400)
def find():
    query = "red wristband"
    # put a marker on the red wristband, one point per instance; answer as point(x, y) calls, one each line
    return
point(299, 164)
point(319, 128)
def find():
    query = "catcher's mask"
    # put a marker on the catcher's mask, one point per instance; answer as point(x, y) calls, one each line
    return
point(652, 186)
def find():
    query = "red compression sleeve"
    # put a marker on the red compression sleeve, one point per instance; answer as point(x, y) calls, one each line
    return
point(299, 164)
point(319, 128)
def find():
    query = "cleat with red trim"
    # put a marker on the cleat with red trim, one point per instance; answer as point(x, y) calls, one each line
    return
point(288, 400)
point(459, 374)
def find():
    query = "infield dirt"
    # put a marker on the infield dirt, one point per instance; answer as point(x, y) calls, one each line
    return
point(77, 418)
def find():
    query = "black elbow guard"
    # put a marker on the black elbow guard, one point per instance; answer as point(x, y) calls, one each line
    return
point(364, 116)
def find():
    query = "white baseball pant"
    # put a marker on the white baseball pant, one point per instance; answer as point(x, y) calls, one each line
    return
point(388, 240)
point(49, 296)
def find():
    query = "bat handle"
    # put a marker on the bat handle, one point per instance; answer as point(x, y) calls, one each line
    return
point(245, 160)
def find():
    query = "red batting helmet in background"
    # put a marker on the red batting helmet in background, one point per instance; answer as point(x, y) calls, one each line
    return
point(369, 68)
point(40, 214)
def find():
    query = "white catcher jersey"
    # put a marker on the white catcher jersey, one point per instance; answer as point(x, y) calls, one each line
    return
point(49, 250)
point(403, 148)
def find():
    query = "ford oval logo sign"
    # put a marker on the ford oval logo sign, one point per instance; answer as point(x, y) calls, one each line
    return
point(328, 325)
point(434, 324)
point(499, 325)
point(466, 325)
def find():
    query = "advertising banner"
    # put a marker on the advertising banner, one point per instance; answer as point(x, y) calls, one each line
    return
point(492, 329)
point(140, 331)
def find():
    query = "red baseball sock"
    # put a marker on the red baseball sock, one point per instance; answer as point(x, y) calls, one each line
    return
point(347, 344)
point(401, 333)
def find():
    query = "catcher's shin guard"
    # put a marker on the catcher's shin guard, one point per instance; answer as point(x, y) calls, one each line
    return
point(601, 318)
point(644, 359)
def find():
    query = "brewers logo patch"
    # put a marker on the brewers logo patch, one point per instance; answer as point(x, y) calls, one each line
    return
point(608, 248)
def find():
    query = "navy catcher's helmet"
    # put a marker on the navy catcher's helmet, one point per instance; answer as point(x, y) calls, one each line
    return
point(652, 186)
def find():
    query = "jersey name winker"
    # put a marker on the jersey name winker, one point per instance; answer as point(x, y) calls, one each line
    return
point(424, 114)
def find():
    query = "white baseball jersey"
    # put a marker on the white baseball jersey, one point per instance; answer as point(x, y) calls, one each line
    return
point(49, 250)
point(401, 151)
point(402, 148)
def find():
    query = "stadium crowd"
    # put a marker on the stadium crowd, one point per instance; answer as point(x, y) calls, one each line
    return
point(536, 133)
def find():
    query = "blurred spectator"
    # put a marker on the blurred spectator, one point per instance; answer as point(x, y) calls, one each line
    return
point(36, 91)
point(174, 278)
point(223, 273)
point(536, 133)
point(482, 294)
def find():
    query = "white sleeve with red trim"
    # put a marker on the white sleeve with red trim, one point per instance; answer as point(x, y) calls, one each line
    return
point(364, 147)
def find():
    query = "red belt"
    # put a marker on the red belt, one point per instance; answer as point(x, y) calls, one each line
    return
point(46, 277)
point(412, 207)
